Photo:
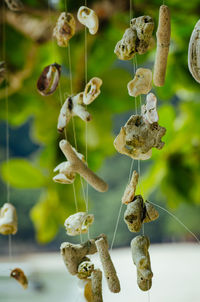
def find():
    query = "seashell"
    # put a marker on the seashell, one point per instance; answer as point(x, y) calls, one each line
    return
point(85, 269)
point(49, 79)
point(125, 49)
point(92, 90)
point(78, 223)
point(8, 219)
point(194, 53)
point(142, 82)
point(89, 18)
point(149, 111)
point(65, 29)
point(19, 275)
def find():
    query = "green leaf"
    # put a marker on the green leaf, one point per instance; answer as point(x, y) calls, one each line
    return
point(20, 173)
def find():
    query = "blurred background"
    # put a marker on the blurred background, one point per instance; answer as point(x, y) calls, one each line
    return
point(170, 178)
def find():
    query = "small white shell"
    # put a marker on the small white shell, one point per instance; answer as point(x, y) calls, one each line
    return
point(92, 90)
point(8, 219)
point(64, 29)
point(142, 82)
point(88, 17)
point(78, 223)
point(85, 269)
point(149, 111)
point(194, 53)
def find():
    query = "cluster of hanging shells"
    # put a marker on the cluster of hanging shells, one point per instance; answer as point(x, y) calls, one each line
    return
point(136, 139)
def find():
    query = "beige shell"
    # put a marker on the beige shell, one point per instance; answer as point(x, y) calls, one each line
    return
point(137, 138)
point(85, 269)
point(142, 82)
point(73, 106)
point(129, 192)
point(92, 90)
point(78, 223)
point(125, 49)
point(8, 219)
point(89, 18)
point(64, 29)
point(194, 53)
point(149, 111)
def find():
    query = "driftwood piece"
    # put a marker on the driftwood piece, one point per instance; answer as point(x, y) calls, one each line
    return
point(163, 42)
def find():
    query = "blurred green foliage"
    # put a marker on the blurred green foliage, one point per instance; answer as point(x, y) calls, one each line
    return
point(173, 174)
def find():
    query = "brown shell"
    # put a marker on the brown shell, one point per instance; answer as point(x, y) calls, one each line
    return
point(19, 275)
point(48, 82)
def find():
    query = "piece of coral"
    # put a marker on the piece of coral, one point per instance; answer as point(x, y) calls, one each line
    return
point(64, 29)
point(142, 82)
point(49, 79)
point(89, 18)
point(14, 5)
point(74, 254)
point(96, 279)
point(78, 223)
point(66, 173)
point(19, 276)
point(92, 90)
point(139, 212)
point(125, 49)
point(144, 26)
point(163, 42)
point(149, 111)
point(8, 219)
point(141, 258)
point(108, 267)
point(78, 166)
point(137, 138)
point(193, 53)
point(129, 192)
point(73, 106)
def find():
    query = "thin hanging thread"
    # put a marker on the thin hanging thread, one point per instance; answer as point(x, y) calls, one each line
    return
point(7, 127)
point(178, 220)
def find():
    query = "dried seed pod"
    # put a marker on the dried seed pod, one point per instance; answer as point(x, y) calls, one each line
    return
point(89, 18)
point(96, 279)
point(137, 138)
point(2, 71)
point(19, 275)
point(14, 5)
point(141, 258)
point(73, 106)
point(8, 219)
point(64, 29)
point(79, 167)
point(194, 54)
point(49, 79)
point(85, 269)
point(74, 254)
point(142, 82)
point(149, 111)
point(92, 90)
point(66, 173)
point(163, 42)
point(144, 26)
point(108, 267)
point(125, 49)
point(129, 192)
point(151, 213)
point(78, 223)
point(133, 216)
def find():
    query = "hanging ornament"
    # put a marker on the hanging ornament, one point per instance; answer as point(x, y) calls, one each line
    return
point(163, 42)
point(65, 29)
point(194, 53)
point(78, 223)
point(49, 79)
point(19, 276)
point(89, 18)
point(142, 82)
point(8, 220)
